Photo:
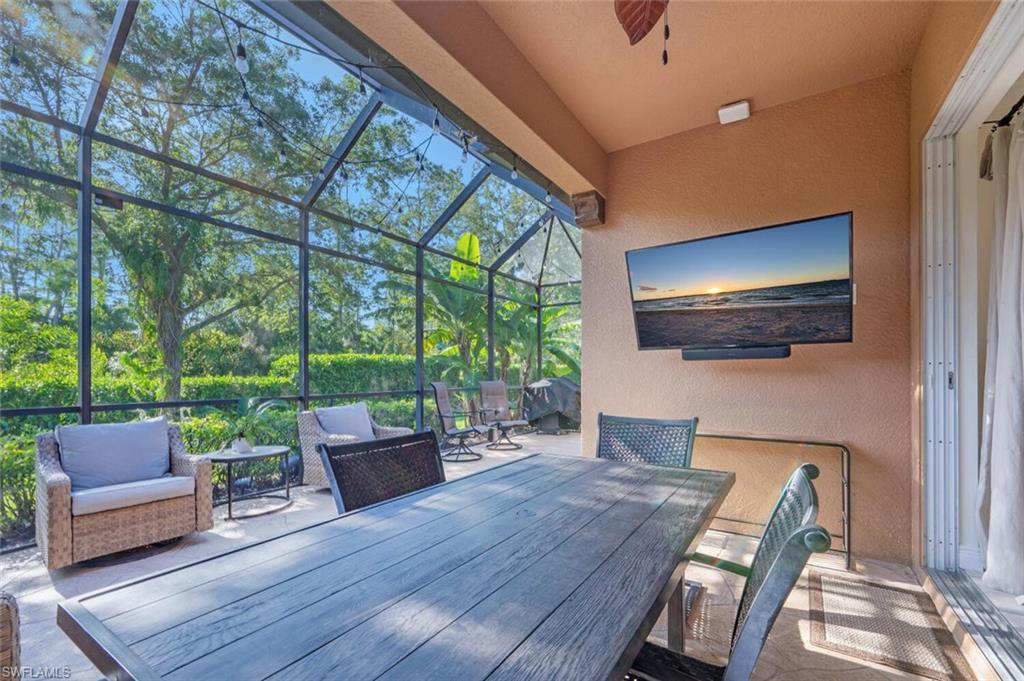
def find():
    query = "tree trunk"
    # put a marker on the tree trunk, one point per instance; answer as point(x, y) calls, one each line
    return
point(169, 326)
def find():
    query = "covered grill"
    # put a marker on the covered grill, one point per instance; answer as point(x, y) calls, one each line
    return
point(552, 404)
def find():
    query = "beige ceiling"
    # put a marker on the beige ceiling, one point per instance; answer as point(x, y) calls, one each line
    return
point(719, 52)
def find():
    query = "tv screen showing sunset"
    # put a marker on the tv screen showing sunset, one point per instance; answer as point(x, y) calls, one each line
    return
point(772, 286)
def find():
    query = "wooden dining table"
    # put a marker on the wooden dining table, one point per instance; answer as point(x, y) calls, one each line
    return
point(548, 567)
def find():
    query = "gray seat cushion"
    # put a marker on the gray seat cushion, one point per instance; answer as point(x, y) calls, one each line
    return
point(102, 454)
point(125, 494)
point(351, 419)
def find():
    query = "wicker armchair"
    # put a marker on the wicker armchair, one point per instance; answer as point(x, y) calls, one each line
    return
point(660, 442)
point(64, 539)
point(365, 473)
point(10, 630)
point(789, 538)
point(312, 434)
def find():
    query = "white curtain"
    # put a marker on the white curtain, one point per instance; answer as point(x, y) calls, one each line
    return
point(1001, 493)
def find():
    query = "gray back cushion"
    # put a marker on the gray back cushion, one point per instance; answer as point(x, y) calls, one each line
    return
point(112, 453)
point(351, 419)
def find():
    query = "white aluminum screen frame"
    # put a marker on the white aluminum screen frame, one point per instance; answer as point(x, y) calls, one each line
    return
point(941, 455)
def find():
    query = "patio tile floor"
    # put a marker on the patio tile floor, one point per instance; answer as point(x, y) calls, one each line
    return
point(788, 654)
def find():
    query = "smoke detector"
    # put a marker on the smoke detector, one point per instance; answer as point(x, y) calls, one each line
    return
point(737, 111)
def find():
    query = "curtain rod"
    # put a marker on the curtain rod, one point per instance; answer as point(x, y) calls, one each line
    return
point(1005, 120)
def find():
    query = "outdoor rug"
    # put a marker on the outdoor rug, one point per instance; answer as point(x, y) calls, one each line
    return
point(888, 625)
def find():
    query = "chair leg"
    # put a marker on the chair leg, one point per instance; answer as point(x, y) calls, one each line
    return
point(504, 442)
point(461, 452)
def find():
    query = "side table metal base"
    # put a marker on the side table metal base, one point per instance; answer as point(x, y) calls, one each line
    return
point(253, 514)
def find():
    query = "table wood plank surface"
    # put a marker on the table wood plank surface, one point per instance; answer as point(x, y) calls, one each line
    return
point(546, 567)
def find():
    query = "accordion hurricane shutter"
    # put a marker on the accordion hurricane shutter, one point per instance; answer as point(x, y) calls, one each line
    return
point(638, 17)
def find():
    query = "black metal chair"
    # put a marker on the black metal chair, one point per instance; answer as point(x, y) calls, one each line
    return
point(455, 437)
point(497, 414)
point(660, 442)
point(789, 538)
point(364, 473)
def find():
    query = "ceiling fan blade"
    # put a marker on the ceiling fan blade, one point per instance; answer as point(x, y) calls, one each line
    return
point(638, 17)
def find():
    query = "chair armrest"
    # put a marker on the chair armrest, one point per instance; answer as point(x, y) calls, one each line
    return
point(200, 469)
point(720, 563)
point(337, 438)
point(514, 412)
point(10, 636)
point(383, 432)
point(455, 413)
point(53, 504)
point(190, 465)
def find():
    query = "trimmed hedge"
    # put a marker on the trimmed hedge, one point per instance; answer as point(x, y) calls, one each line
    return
point(53, 384)
point(45, 388)
point(352, 372)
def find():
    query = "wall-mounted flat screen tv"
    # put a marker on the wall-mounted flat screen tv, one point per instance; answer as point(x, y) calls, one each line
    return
point(778, 285)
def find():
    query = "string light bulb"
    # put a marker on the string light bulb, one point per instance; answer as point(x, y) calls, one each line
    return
point(241, 59)
point(515, 171)
point(362, 83)
point(437, 122)
point(13, 60)
point(547, 199)
point(281, 156)
point(259, 122)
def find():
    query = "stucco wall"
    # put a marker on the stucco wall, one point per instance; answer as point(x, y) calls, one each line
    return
point(842, 150)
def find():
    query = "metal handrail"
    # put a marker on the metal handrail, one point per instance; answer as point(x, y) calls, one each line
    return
point(844, 475)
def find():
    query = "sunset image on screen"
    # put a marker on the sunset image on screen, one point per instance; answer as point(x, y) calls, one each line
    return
point(785, 284)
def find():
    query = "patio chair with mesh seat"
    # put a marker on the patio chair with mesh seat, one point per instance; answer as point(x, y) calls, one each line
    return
point(659, 442)
point(365, 473)
point(455, 437)
point(498, 414)
point(790, 537)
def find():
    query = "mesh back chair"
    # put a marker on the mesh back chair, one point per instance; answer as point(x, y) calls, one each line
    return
point(497, 414)
point(454, 436)
point(661, 442)
point(364, 473)
point(789, 538)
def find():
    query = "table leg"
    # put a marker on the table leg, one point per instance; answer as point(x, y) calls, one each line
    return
point(677, 616)
point(287, 475)
point(230, 485)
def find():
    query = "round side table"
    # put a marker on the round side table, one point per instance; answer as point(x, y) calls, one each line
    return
point(229, 457)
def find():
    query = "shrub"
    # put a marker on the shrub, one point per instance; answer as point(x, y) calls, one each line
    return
point(217, 387)
point(17, 485)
